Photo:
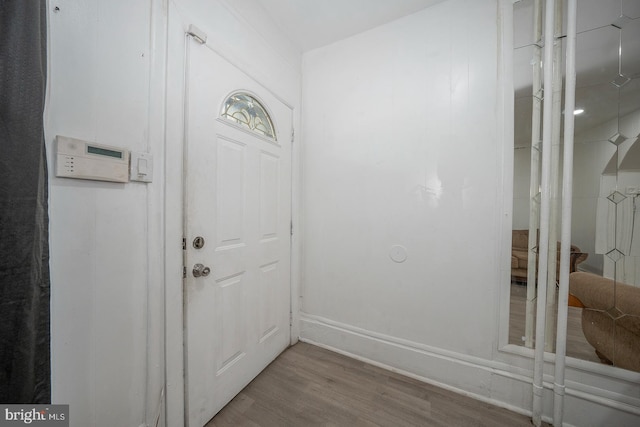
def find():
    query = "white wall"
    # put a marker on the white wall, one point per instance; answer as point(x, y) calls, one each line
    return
point(406, 143)
point(114, 247)
point(398, 137)
point(401, 148)
point(99, 91)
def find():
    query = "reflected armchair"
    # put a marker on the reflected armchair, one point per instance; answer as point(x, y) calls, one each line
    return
point(610, 318)
point(520, 256)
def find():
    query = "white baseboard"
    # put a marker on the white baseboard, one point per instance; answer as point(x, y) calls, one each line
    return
point(489, 381)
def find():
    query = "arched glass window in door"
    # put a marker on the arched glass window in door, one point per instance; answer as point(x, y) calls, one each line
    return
point(246, 111)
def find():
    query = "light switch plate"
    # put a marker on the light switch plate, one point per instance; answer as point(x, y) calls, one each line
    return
point(141, 168)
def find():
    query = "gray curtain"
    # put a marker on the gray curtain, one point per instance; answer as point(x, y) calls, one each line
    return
point(24, 250)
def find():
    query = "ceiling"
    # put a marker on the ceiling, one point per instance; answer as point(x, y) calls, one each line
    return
point(314, 23)
point(310, 24)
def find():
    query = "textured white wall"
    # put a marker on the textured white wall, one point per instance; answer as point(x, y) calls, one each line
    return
point(99, 91)
point(401, 148)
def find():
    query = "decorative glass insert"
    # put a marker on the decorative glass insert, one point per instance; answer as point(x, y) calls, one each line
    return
point(616, 197)
point(539, 94)
point(537, 198)
point(620, 80)
point(615, 255)
point(617, 139)
point(621, 21)
point(246, 111)
point(615, 313)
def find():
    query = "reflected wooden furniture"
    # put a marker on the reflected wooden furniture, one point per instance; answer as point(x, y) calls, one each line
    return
point(520, 256)
point(610, 317)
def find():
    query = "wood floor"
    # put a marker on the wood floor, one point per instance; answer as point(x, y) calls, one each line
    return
point(577, 345)
point(311, 386)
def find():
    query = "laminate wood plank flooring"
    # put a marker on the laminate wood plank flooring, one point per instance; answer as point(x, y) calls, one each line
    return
point(310, 386)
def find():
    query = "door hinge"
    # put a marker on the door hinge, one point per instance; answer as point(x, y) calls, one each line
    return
point(293, 134)
point(184, 272)
point(291, 228)
point(184, 244)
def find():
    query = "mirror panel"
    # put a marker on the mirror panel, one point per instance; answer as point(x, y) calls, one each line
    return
point(606, 206)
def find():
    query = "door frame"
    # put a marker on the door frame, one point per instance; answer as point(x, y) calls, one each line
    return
point(178, 23)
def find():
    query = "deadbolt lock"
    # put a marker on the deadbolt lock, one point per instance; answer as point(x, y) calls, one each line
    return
point(198, 242)
point(200, 270)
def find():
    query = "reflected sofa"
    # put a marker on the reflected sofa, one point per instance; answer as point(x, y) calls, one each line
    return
point(616, 341)
point(520, 256)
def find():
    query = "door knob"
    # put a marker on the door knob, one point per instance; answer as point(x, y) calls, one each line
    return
point(201, 270)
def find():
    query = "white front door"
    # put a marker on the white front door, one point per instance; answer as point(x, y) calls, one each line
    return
point(238, 213)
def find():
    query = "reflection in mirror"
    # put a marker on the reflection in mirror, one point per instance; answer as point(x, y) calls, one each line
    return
point(604, 319)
